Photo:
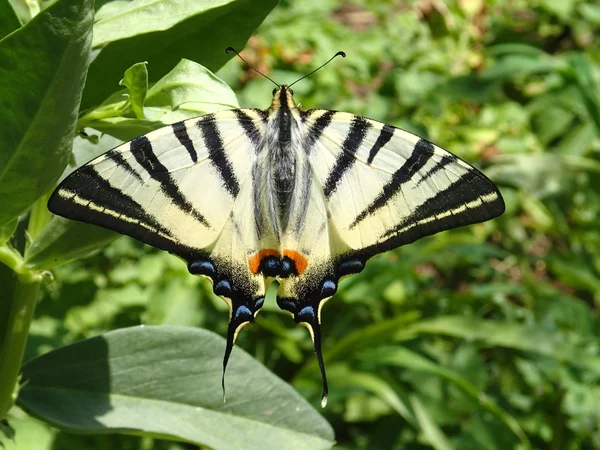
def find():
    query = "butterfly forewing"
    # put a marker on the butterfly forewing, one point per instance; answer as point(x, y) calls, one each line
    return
point(175, 185)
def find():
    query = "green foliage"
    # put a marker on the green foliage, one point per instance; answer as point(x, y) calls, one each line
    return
point(483, 337)
point(43, 94)
point(102, 382)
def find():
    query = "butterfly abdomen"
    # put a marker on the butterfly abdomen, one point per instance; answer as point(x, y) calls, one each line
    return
point(282, 161)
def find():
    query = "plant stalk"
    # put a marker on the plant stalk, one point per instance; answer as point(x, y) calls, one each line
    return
point(13, 348)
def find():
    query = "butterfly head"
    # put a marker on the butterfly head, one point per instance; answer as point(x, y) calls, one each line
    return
point(283, 97)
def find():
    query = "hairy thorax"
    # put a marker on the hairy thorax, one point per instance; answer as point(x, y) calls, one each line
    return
point(281, 166)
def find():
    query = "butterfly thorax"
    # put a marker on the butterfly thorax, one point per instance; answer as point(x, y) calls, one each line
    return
point(282, 153)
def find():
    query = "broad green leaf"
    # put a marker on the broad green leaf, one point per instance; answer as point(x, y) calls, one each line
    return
point(40, 100)
point(129, 32)
point(9, 22)
point(166, 382)
point(192, 88)
point(64, 240)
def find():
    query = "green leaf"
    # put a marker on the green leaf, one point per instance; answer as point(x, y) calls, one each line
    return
point(371, 336)
point(582, 71)
point(591, 12)
point(187, 91)
point(8, 281)
point(166, 382)
point(7, 230)
point(431, 431)
point(29, 434)
point(511, 335)
point(540, 175)
point(514, 65)
point(405, 358)
point(190, 87)
point(136, 81)
point(40, 100)
point(9, 22)
point(343, 378)
point(128, 32)
point(64, 240)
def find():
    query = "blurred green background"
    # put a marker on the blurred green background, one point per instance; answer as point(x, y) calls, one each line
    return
point(487, 336)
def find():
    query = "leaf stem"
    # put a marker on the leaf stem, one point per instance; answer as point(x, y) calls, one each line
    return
point(39, 216)
point(11, 258)
point(13, 347)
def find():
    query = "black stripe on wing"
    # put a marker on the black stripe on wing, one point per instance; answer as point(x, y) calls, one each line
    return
point(384, 137)
point(315, 130)
point(445, 161)
point(141, 149)
point(88, 197)
point(217, 156)
point(471, 199)
point(420, 155)
point(346, 159)
point(118, 159)
point(453, 207)
point(181, 133)
point(252, 131)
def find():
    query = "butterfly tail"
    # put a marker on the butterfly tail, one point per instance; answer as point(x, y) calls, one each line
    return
point(308, 317)
point(241, 315)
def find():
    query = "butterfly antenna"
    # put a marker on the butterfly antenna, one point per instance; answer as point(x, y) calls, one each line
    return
point(231, 49)
point(342, 54)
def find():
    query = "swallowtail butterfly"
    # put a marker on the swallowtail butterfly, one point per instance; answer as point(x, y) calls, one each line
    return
point(248, 196)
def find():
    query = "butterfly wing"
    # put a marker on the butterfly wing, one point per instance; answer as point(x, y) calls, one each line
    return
point(185, 188)
point(372, 188)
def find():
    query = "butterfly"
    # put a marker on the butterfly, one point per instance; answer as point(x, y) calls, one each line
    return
point(249, 196)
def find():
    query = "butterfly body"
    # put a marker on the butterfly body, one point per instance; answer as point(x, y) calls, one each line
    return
point(248, 196)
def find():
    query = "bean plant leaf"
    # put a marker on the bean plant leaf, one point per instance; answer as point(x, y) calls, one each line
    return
point(129, 32)
point(188, 90)
point(9, 22)
point(166, 381)
point(40, 100)
point(136, 81)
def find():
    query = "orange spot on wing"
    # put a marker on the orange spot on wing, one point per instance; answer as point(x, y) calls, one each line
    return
point(299, 260)
point(255, 259)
